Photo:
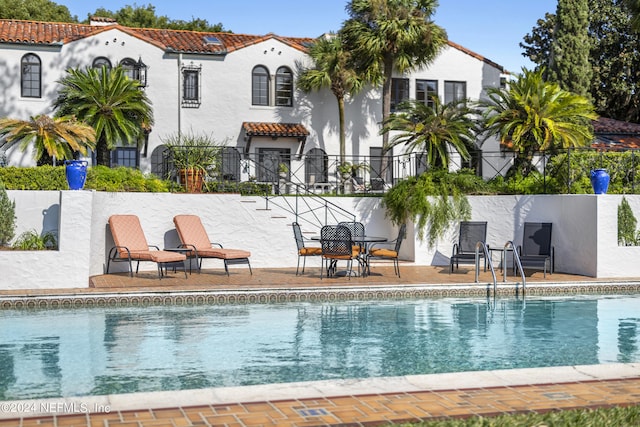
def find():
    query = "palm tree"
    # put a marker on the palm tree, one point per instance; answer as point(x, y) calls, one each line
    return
point(433, 129)
point(534, 115)
point(392, 35)
point(108, 100)
point(56, 137)
point(332, 69)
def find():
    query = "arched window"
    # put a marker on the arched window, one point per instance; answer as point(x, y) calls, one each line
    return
point(230, 164)
point(31, 76)
point(284, 87)
point(101, 61)
point(260, 86)
point(316, 166)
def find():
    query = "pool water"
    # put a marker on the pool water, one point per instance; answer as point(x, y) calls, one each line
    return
point(95, 351)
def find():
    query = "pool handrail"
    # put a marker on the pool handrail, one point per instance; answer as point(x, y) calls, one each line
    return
point(482, 245)
point(516, 260)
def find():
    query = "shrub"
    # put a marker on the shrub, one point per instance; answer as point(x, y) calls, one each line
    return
point(32, 241)
point(627, 235)
point(7, 217)
point(100, 178)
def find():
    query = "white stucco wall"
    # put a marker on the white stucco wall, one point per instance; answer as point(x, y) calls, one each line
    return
point(584, 231)
point(226, 92)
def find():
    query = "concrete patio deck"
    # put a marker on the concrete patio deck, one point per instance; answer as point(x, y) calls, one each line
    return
point(366, 402)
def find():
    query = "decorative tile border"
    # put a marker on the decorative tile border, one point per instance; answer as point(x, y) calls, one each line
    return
point(325, 294)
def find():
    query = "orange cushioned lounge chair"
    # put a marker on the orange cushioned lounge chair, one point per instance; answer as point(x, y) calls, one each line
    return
point(193, 236)
point(131, 245)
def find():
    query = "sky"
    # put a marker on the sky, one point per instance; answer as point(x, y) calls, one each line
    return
point(491, 28)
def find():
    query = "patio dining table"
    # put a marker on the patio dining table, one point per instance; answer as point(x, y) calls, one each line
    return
point(365, 241)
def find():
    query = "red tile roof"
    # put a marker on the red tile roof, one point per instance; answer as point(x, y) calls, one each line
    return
point(48, 33)
point(294, 130)
point(55, 33)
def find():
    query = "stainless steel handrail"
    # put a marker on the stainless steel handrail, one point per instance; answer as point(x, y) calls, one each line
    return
point(516, 258)
point(487, 261)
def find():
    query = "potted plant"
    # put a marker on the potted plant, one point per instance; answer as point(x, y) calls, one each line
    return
point(348, 169)
point(283, 170)
point(194, 157)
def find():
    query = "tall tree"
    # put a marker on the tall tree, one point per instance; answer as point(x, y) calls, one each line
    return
point(433, 129)
point(35, 10)
point(110, 102)
point(533, 115)
point(570, 65)
point(614, 55)
point(58, 137)
point(332, 68)
point(392, 35)
point(145, 17)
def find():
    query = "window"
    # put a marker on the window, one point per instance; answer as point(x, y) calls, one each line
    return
point(455, 91)
point(191, 86)
point(125, 156)
point(260, 86)
point(284, 87)
point(426, 90)
point(316, 166)
point(230, 164)
point(269, 160)
point(380, 168)
point(101, 61)
point(399, 92)
point(31, 76)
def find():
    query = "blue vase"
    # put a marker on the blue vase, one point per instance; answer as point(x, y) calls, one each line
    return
point(599, 181)
point(76, 172)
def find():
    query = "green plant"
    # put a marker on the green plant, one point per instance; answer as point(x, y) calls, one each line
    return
point(7, 217)
point(432, 201)
point(283, 168)
point(199, 152)
point(31, 240)
point(627, 234)
point(349, 169)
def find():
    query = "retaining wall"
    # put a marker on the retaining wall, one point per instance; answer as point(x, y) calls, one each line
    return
point(584, 231)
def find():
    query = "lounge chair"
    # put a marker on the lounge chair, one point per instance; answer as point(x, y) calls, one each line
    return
point(131, 245)
point(464, 252)
point(536, 251)
point(193, 236)
point(376, 252)
point(303, 250)
point(337, 245)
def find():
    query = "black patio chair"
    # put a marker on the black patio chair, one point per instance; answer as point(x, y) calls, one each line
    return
point(337, 245)
point(304, 251)
point(464, 252)
point(376, 252)
point(536, 251)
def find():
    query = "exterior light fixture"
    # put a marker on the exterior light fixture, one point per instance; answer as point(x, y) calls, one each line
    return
point(141, 71)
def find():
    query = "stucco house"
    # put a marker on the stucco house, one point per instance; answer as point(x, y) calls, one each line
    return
point(238, 88)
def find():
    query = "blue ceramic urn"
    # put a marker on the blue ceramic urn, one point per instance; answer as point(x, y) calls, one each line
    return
point(599, 181)
point(76, 173)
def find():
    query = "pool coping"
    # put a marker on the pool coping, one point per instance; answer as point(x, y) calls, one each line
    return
point(508, 378)
point(62, 298)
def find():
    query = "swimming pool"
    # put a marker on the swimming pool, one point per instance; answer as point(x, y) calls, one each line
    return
point(104, 350)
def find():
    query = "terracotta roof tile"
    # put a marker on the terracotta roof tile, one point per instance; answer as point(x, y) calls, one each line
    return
point(35, 32)
point(294, 130)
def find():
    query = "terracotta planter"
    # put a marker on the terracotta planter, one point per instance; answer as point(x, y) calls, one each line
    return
point(192, 179)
